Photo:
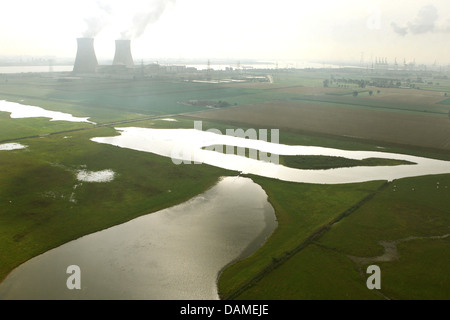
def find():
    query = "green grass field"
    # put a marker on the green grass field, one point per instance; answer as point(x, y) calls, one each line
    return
point(122, 99)
point(301, 210)
point(322, 162)
point(315, 274)
point(446, 102)
point(308, 162)
point(413, 207)
point(43, 205)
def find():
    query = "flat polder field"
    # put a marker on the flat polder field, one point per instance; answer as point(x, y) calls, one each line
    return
point(327, 235)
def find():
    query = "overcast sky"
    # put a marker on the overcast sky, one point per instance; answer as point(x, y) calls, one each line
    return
point(235, 29)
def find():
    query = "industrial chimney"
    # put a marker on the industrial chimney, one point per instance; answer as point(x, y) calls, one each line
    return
point(123, 55)
point(86, 60)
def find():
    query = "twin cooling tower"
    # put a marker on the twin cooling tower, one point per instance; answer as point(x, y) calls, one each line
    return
point(123, 55)
point(86, 60)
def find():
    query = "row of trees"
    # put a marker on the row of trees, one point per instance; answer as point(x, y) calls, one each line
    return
point(380, 83)
point(355, 93)
point(341, 82)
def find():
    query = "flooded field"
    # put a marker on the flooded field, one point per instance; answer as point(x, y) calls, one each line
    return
point(19, 111)
point(96, 176)
point(11, 146)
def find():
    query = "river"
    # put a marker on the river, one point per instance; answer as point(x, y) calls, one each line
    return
point(173, 254)
point(187, 145)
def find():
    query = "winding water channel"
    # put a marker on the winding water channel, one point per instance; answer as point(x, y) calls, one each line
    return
point(187, 145)
point(173, 254)
point(19, 111)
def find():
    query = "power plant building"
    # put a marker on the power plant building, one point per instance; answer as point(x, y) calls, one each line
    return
point(123, 66)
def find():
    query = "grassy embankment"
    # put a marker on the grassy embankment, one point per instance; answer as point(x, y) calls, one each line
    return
point(308, 162)
point(302, 210)
point(413, 207)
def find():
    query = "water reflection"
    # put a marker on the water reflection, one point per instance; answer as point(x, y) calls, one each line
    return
point(189, 143)
point(173, 254)
point(11, 146)
point(19, 111)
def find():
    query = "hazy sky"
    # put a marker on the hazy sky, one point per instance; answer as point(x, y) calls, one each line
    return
point(235, 29)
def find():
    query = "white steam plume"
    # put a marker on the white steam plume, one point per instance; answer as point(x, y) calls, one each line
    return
point(96, 23)
point(145, 18)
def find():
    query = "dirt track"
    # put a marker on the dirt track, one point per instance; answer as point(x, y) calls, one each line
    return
point(404, 129)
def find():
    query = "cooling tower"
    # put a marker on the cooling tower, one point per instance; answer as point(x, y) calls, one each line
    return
point(86, 61)
point(123, 55)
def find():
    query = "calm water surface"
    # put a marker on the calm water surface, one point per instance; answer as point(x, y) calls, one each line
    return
point(187, 144)
point(18, 111)
point(173, 254)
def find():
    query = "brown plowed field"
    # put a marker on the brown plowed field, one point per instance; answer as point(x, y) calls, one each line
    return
point(420, 97)
point(378, 126)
